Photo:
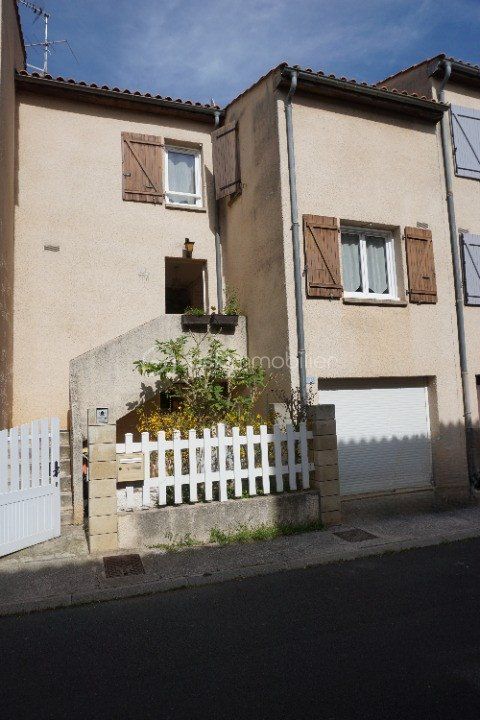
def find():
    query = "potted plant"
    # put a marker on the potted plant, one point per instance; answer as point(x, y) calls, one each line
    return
point(229, 317)
point(194, 317)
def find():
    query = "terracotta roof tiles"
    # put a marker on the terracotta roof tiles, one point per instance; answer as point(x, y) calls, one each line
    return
point(126, 91)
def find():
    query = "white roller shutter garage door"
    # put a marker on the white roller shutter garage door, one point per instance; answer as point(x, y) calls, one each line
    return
point(383, 432)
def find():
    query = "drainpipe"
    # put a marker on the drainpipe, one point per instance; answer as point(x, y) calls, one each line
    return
point(457, 276)
point(218, 247)
point(297, 269)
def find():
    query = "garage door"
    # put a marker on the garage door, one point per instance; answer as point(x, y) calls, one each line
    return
point(383, 434)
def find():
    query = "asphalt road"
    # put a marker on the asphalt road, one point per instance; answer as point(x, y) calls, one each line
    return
point(391, 637)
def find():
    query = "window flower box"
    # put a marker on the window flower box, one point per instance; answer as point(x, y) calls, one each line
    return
point(223, 321)
point(194, 322)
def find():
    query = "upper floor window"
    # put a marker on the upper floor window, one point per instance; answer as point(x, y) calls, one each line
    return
point(368, 264)
point(183, 176)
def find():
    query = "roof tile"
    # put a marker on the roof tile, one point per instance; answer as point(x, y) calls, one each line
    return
point(126, 91)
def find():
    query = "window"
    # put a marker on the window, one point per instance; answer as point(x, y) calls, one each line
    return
point(183, 176)
point(368, 264)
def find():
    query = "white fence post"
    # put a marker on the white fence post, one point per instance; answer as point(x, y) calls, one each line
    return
point(161, 468)
point(146, 502)
point(14, 469)
point(35, 445)
point(264, 459)
point(192, 464)
point(278, 462)
point(207, 464)
point(252, 479)
point(237, 462)
point(44, 451)
point(222, 463)
point(292, 475)
point(177, 467)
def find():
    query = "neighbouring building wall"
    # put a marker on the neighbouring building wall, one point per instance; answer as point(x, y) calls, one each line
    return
point(252, 230)
point(466, 193)
point(108, 275)
point(11, 57)
point(363, 167)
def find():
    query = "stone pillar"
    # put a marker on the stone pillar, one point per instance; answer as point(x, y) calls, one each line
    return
point(325, 458)
point(102, 485)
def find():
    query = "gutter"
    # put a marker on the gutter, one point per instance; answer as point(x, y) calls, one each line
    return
point(458, 281)
point(109, 97)
point(297, 270)
point(367, 94)
point(459, 71)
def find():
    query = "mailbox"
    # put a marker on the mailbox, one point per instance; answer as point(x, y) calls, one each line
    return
point(130, 467)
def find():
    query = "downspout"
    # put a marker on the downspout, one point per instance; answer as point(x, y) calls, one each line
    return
point(457, 276)
point(218, 246)
point(297, 269)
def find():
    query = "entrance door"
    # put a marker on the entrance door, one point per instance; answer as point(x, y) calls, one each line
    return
point(29, 484)
point(383, 433)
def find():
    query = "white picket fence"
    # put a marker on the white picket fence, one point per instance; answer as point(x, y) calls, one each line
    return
point(222, 465)
point(29, 484)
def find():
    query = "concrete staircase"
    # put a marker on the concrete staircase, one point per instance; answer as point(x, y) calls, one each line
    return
point(65, 479)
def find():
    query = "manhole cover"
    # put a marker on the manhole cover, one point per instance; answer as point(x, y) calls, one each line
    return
point(121, 565)
point(354, 535)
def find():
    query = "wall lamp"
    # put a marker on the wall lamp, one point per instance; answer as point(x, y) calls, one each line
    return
point(189, 247)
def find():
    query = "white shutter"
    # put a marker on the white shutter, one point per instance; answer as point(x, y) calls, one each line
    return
point(383, 434)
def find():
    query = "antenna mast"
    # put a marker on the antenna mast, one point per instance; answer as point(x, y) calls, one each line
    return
point(46, 44)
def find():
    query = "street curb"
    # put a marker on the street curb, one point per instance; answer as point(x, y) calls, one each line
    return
point(155, 586)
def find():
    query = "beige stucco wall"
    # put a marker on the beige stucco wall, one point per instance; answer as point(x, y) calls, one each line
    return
point(362, 167)
point(252, 231)
point(11, 57)
point(108, 276)
point(467, 210)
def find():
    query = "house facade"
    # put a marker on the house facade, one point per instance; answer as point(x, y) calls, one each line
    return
point(104, 186)
point(380, 343)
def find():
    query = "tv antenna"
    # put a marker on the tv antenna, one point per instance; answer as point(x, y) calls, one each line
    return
point(46, 44)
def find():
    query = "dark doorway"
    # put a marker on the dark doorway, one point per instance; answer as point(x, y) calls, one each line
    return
point(185, 285)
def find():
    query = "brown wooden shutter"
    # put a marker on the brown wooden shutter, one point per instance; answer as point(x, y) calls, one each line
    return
point(226, 164)
point(142, 168)
point(322, 256)
point(422, 281)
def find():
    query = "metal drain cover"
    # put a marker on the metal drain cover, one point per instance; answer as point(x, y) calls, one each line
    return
point(354, 535)
point(122, 565)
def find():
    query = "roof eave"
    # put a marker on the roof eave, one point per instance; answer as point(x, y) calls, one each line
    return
point(85, 93)
point(366, 95)
point(460, 72)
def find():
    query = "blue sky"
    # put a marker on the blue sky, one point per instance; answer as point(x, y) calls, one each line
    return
point(201, 49)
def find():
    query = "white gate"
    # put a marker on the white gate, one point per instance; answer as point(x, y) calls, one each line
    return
point(29, 484)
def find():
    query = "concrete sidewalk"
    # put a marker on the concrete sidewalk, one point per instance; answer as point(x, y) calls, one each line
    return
point(61, 572)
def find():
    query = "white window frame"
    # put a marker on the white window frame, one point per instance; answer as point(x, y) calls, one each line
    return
point(390, 258)
point(170, 194)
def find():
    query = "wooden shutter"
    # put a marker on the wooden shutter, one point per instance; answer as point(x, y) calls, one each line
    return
point(420, 265)
point(142, 168)
point(322, 258)
point(471, 268)
point(466, 141)
point(226, 165)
